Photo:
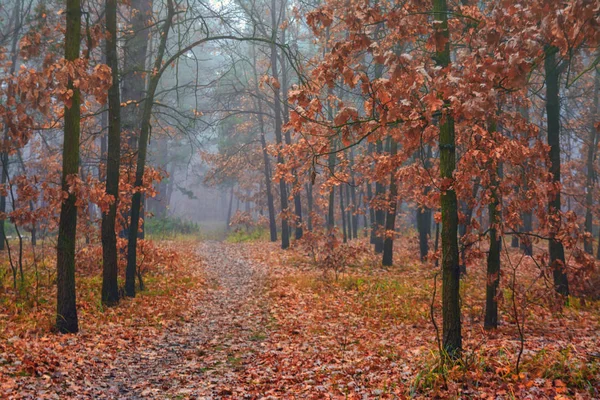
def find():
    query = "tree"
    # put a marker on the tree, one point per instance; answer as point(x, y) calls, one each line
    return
point(283, 194)
point(556, 249)
point(110, 288)
point(66, 309)
point(390, 220)
point(451, 332)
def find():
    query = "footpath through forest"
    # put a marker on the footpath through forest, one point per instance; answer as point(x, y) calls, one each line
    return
point(201, 358)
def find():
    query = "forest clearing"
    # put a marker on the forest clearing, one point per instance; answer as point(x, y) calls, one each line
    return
point(285, 199)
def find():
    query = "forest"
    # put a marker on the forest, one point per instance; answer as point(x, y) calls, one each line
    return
point(299, 199)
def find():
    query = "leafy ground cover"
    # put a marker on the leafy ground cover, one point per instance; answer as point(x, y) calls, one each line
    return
point(248, 320)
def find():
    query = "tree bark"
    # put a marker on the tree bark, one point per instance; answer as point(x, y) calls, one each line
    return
point(451, 332)
point(493, 259)
point(591, 170)
point(379, 213)
point(556, 249)
point(285, 238)
point(343, 212)
point(110, 288)
point(424, 216)
point(66, 309)
point(390, 221)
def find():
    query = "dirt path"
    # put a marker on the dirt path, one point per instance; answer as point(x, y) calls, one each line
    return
point(202, 358)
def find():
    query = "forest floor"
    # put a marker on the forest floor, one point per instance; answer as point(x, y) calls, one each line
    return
point(247, 320)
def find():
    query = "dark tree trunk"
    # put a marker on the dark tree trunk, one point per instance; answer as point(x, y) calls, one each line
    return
point(590, 166)
point(452, 338)
point(379, 212)
point(331, 204)
point(353, 197)
point(525, 242)
point(424, 228)
point(557, 252)
point(493, 259)
point(371, 212)
point(110, 287)
point(343, 212)
point(66, 309)
point(349, 212)
point(424, 216)
point(285, 238)
point(309, 201)
point(136, 201)
point(390, 221)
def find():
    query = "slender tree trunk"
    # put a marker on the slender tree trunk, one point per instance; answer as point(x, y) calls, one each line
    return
point(452, 338)
point(349, 213)
point(66, 309)
point(493, 259)
point(343, 212)
point(309, 201)
point(390, 221)
point(110, 287)
point(353, 197)
point(285, 238)
point(379, 212)
point(424, 228)
point(424, 216)
point(136, 201)
point(591, 170)
point(371, 212)
point(331, 205)
point(557, 252)
point(525, 243)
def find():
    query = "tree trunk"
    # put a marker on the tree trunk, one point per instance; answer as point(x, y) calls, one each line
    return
point(353, 197)
point(349, 213)
point(331, 205)
point(285, 238)
point(424, 216)
point(343, 212)
point(66, 309)
point(557, 252)
point(136, 201)
point(452, 339)
point(590, 166)
point(390, 221)
point(424, 228)
point(371, 212)
point(379, 212)
point(110, 269)
point(309, 201)
point(493, 259)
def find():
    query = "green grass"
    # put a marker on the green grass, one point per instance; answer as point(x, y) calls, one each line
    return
point(241, 236)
